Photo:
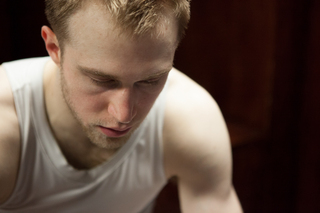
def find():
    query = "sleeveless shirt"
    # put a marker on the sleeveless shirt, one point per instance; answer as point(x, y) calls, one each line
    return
point(129, 182)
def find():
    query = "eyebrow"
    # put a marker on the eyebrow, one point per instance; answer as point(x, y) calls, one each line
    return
point(158, 74)
point(95, 72)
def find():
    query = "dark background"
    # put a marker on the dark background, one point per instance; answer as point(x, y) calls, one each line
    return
point(259, 59)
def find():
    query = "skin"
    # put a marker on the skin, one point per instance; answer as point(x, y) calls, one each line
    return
point(131, 73)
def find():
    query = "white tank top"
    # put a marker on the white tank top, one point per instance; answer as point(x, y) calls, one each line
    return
point(46, 183)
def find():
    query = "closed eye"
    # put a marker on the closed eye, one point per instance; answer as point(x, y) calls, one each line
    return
point(105, 83)
point(155, 80)
point(151, 81)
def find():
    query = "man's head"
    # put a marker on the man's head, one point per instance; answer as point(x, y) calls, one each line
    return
point(111, 75)
point(134, 17)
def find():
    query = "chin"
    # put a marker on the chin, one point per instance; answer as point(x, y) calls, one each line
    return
point(102, 141)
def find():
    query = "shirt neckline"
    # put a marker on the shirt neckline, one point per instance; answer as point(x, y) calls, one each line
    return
point(51, 148)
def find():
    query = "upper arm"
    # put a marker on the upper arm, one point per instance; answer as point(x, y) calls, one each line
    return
point(9, 139)
point(197, 150)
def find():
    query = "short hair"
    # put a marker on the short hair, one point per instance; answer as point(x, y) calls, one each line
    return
point(136, 17)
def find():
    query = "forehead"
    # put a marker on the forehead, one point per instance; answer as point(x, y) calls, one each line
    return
point(96, 42)
point(94, 20)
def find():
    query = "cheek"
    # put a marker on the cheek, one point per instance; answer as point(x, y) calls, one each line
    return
point(90, 105)
point(147, 98)
point(78, 87)
point(78, 95)
point(145, 103)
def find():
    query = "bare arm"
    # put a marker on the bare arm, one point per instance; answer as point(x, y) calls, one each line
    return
point(9, 139)
point(197, 149)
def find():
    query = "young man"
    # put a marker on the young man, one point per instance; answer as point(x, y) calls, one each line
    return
point(102, 124)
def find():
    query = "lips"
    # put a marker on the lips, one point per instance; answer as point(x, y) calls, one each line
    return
point(114, 133)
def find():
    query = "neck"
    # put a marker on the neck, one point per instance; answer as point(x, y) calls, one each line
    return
point(74, 144)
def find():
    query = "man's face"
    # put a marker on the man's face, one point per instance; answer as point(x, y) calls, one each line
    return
point(110, 82)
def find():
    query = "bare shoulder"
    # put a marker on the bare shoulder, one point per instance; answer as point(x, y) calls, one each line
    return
point(197, 148)
point(9, 139)
point(194, 126)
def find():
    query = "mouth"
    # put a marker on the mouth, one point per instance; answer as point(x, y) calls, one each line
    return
point(114, 133)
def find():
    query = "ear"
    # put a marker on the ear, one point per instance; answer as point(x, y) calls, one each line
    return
point(52, 44)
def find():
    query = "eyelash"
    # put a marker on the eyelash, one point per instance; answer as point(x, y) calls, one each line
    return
point(104, 83)
point(151, 82)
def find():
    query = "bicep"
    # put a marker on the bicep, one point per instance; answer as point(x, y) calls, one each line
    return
point(208, 202)
point(205, 181)
point(9, 139)
point(198, 152)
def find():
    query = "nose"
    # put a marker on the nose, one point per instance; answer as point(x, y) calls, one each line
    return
point(121, 107)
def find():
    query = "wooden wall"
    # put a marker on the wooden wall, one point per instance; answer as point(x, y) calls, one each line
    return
point(260, 60)
point(20, 27)
point(308, 187)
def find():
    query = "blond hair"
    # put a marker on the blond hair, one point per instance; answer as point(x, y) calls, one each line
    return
point(135, 17)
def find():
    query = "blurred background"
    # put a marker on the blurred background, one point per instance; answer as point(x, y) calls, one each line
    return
point(259, 59)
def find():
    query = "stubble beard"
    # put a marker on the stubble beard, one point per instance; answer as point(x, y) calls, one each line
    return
point(91, 131)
